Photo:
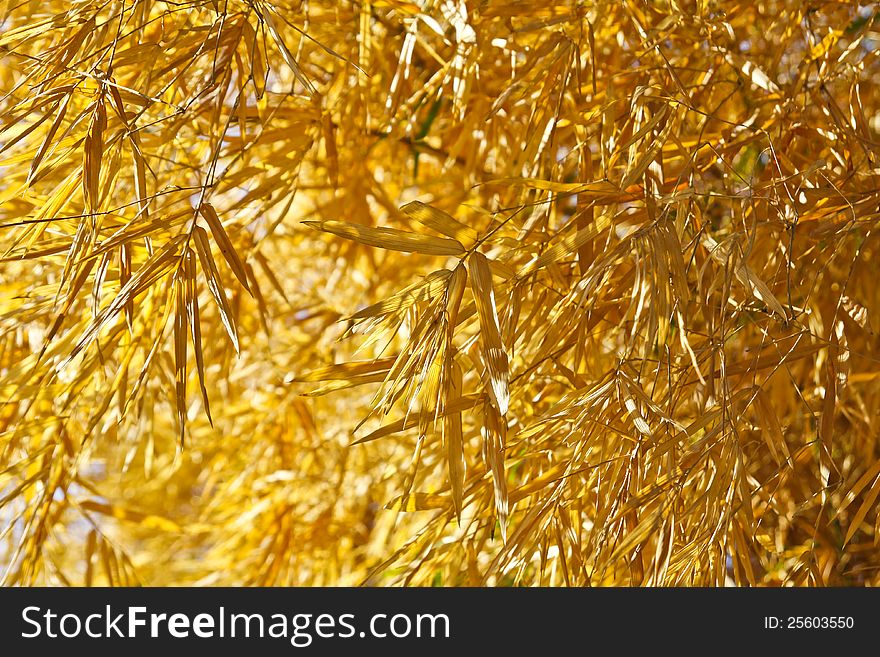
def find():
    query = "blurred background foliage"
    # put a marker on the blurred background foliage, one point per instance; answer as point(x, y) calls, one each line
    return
point(442, 292)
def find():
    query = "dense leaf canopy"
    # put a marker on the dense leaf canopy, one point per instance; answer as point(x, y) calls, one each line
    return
point(452, 292)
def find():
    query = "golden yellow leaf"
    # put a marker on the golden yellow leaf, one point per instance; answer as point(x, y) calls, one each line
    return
point(226, 248)
point(390, 238)
point(215, 285)
point(490, 332)
point(441, 222)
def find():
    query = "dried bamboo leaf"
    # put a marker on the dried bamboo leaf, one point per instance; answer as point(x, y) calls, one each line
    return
point(180, 342)
point(390, 238)
point(266, 14)
point(490, 331)
point(223, 242)
point(867, 505)
point(426, 289)
point(93, 151)
point(455, 457)
point(215, 285)
point(441, 222)
point(495, 438)
point(195, 325)
point(419, 502)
